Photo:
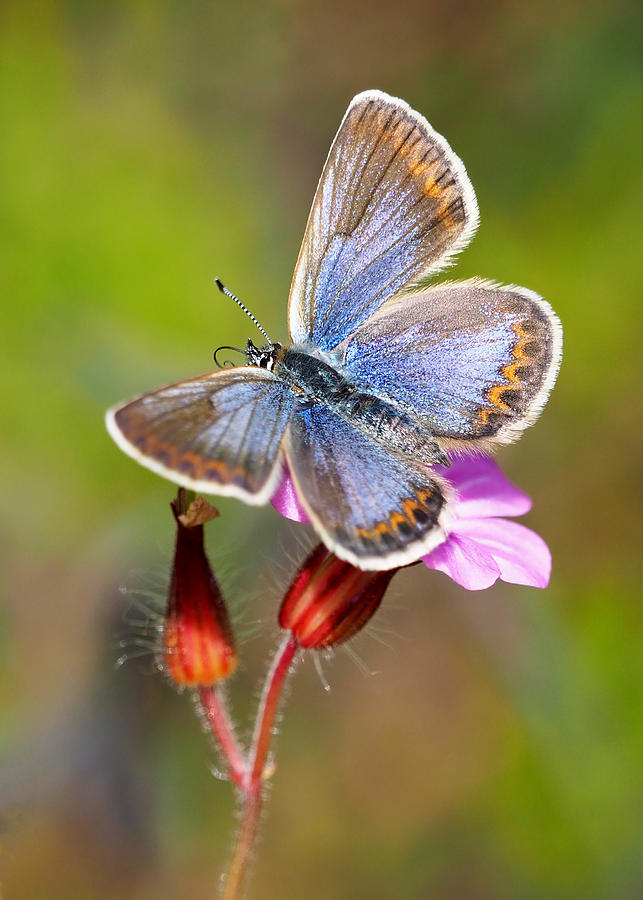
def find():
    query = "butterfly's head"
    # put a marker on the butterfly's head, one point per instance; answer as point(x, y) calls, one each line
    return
point(264, 357)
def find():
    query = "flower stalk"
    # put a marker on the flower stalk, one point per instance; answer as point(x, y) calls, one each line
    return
point(257, 769)
point(327, 603)
point(215, 710)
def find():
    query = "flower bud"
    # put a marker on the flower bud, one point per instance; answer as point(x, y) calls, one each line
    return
point(198, 644)
point(330, 600)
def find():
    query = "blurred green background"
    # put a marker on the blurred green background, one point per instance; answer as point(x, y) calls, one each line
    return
point(147, 147)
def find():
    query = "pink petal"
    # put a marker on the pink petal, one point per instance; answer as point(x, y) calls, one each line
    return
point(521, 555)
point(465, 561)
point(483, 489)
point(286, 501)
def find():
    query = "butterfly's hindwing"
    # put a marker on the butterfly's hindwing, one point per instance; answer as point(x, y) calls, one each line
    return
point(371, 507)
point(219, 433)
point(472, 359)
point(393, 202)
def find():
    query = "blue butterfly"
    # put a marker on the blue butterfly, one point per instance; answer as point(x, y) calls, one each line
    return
point(383, 374)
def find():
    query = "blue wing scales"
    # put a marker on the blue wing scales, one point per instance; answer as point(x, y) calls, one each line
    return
point(393, 203)
point(371, 507)
point(475, 361)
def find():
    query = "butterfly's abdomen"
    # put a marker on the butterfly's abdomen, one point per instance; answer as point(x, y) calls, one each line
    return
point(316, 381)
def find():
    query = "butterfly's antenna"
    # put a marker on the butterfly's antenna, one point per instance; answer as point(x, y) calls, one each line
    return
point(224, 290)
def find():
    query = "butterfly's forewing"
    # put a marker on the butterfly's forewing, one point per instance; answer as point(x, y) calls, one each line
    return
point(393, 203)
point(474, 360)
point(369, 506)
point(219, 433)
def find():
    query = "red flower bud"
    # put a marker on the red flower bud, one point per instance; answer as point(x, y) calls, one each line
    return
point(330, 600)
point(198, 644)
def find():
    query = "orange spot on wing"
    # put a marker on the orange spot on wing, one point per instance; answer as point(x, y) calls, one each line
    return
point(398, 519)
point(193, 464)
point(424, 495)
point(224, 473)
point(394, 137)
point(418, 169)
point(370, 534)
point(410, 506)
point(510, 373)
point(520, 356)
point(431, 189)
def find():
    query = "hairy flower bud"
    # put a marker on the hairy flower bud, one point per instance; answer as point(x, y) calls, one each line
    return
point(330, 600)
point(198, 645)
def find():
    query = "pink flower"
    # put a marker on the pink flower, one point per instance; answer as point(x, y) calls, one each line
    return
point(482, 545)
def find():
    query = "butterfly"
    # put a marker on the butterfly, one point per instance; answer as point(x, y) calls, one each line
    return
point(383, 375)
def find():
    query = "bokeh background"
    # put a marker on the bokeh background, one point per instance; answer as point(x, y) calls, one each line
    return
point(486, 745)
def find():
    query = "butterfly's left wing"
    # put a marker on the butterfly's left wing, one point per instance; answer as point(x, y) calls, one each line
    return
point(369, 506)
point(220, 433)
point(473, 360)
point(393, 203)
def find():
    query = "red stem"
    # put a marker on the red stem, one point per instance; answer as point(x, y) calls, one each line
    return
point(215, 708)
point(255, 770)
point(248, 772)
point(268, 706)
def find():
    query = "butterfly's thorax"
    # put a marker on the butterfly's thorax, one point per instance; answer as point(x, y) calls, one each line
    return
point(317, 380)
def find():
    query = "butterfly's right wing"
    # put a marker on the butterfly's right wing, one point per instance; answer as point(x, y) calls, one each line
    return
point(394, 203)
point(474, 361)
point(218, 433)
point(369, 506)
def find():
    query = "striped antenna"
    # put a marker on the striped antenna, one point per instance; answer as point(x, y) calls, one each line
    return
point(224, 290)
